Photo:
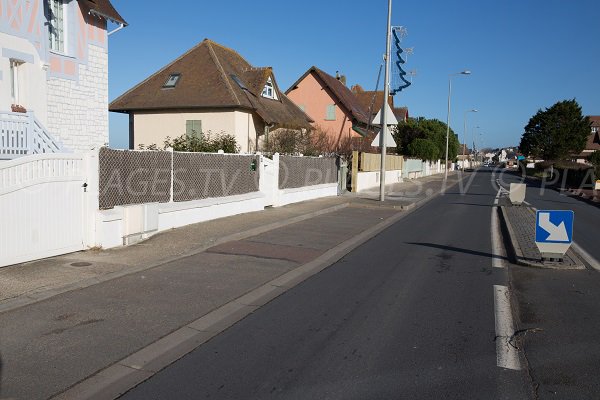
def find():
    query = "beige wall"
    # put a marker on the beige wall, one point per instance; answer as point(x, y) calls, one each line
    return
point(153, 128)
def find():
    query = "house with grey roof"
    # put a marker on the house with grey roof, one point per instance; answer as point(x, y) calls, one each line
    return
point(210, 88)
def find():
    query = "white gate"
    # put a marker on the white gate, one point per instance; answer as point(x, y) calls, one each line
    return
point(41, 207)
point(269, 179)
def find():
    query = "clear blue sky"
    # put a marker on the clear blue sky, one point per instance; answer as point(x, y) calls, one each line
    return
point(524, 54)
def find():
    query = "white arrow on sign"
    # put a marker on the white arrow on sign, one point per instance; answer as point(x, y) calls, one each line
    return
point(557, 233)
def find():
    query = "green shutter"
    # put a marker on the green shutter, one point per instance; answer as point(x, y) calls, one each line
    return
point(330, 112)
point(193, 127)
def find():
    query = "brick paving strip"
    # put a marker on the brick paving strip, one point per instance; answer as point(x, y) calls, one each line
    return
point(520, 224)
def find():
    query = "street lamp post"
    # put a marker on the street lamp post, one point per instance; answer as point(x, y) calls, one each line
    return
point(465, 72)
point(465, 127)
point(474, 145)
point(386, 94)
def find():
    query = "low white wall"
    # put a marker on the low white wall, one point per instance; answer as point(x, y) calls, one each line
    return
point(75, 190)
point(368, 180)
point(295, 195)
point(175, 215)
point(130, 224)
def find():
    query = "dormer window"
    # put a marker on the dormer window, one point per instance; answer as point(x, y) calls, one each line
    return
point(172, 81)
point(269, 90)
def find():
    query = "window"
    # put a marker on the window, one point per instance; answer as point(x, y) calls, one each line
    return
point(172, 81)
point(55, 14)
point(594, 129)
point(193, 128)
point(330, 116)
point(239, 82)
point(15, 69)
point(269, 90)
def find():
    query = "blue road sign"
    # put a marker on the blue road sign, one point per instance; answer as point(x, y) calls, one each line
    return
point(554, 226)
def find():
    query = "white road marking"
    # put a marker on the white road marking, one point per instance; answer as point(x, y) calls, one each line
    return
point(587, 256)
point(506, 350)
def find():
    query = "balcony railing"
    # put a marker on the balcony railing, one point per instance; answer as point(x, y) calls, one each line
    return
point(22, 134)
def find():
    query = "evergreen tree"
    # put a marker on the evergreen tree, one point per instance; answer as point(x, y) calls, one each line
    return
point(557, 132)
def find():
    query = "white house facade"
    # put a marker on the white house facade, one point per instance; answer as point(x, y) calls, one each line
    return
point(53, 75)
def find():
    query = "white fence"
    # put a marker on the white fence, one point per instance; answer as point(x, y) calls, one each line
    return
point(49, 205)
point(22, 134)
point(42, 206)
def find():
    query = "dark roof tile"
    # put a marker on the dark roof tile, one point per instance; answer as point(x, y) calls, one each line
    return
point(209, 79)
point(104, 9)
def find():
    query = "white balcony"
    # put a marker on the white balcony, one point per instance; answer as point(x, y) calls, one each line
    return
point(22, 134)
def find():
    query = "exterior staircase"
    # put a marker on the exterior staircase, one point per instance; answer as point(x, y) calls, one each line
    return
point(22, 134)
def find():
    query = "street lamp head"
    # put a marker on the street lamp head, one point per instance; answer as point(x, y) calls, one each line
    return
point(474, 110)
point(466, 72)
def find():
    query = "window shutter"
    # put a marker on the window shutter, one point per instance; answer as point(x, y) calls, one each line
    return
point(193, 127)
point(330, 112)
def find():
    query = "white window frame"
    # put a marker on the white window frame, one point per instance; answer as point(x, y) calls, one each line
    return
point(15, 80)
point(57, 35)
point(269, 90)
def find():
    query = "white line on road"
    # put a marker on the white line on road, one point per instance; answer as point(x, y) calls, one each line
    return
point(506, 351)
point(586, 256)
point(497, 249)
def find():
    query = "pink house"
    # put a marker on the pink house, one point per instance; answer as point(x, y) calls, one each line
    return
point(333, 107)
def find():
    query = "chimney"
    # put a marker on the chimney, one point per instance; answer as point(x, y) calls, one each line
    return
point(341, 78)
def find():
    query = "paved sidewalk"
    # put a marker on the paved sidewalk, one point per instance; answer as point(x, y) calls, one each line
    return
point(67, 318)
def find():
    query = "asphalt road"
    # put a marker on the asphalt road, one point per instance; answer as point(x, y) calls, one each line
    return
point(558, 310)
point(409, 314)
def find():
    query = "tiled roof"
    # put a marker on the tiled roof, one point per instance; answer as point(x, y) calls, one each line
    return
point(593, 141)
point(401, 113)
point(104, 9)
point(372, 100)
point(212, 77)
point(339, 92)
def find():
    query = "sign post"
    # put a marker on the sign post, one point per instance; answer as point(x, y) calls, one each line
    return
point(554, 232)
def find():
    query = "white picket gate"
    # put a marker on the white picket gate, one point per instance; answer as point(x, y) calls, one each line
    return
point(42, 206)
point(269, 180)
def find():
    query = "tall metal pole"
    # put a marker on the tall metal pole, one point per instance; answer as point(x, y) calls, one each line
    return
point(448, 125)
point(386, 94)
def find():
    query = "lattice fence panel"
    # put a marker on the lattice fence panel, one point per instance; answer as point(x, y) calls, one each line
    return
point(206, 175)
point(295, 172)
point(134, 177)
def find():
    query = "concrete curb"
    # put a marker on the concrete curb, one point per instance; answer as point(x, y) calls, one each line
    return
point(514, 249)
point(124, 375)
point(517, 254)
point(31, 298)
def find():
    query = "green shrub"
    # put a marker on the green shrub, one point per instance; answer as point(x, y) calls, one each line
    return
point(207, 142)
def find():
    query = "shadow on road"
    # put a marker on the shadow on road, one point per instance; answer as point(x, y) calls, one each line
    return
point(459, 250)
